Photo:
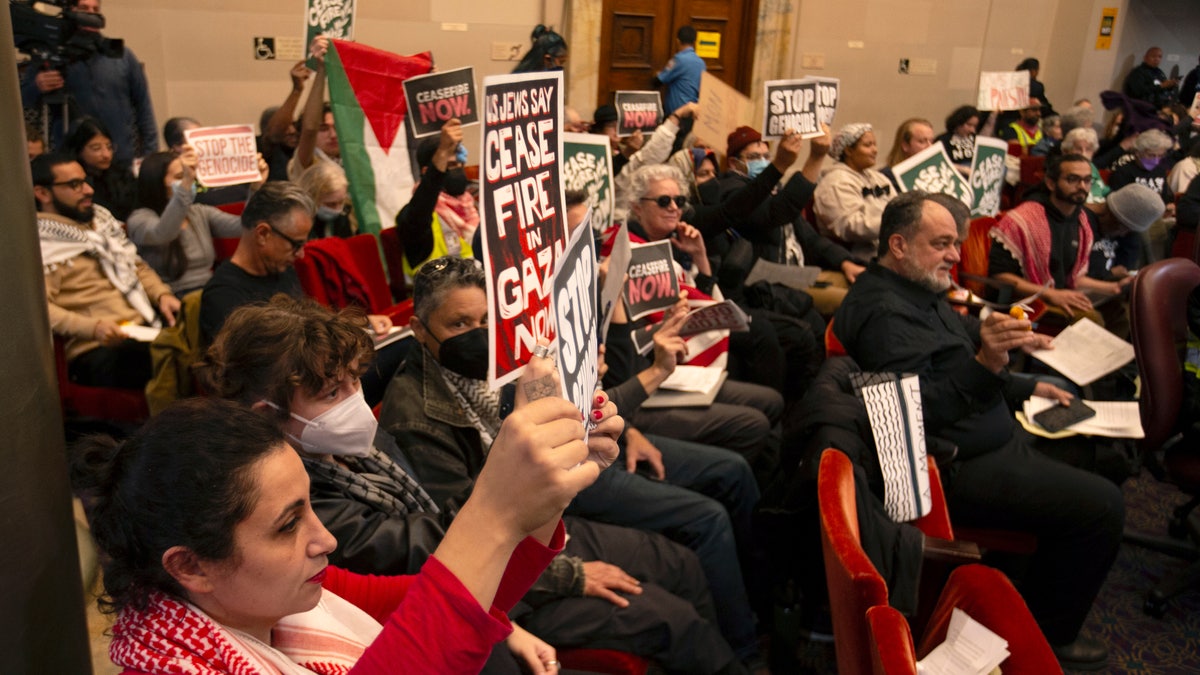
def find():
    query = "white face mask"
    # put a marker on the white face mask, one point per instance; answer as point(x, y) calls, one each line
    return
point(346, 429)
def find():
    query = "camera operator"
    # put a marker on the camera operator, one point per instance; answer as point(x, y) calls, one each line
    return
point(111, 88)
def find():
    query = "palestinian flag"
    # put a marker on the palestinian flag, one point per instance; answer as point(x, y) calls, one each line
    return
point(367, 96)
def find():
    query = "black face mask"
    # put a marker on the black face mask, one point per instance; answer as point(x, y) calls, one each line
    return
point(465, 353)
point(710, 191)
point(455, 182)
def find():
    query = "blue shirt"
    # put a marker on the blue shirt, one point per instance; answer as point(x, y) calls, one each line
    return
point(682, 77)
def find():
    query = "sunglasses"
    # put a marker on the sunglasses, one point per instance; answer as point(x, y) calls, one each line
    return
point(664, 201)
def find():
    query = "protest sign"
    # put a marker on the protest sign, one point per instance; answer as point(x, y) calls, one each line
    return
point(574, 296)
point(987, 175)
point(587, 166)
point(614, 279)
point(801, 105)
point(828, 91)
point(722, 109)
point(331, 18)
point(652, 285)
point(523, 219)
point(790, 105)
point(638, 110)
point(931, 170)
point(435, 98)
point(225, 155)
point(1004, 90)
point(724, 315)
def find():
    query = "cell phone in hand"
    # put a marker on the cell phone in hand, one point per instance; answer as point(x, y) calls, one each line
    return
point(1060, 417)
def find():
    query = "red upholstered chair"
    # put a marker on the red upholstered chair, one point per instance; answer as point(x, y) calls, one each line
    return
point(855, 587)
point(854, 584)
point(393, 254)
point(974, 254)
point(223, 248)
point(101, 403)
point(359, 259)
point(833, 346)
point(988, 597)
point(1159, 321)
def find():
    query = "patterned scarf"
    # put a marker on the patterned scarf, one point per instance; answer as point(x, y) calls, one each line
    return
point(63, 240)
point(376, 480)
point(481, 404)
point(1025, 233)
point(171, 637)
point(458, 218)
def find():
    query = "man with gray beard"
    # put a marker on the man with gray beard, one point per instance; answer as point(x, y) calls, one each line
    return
point(895, 319)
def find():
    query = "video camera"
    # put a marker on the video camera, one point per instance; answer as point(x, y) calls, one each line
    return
point(53, 34)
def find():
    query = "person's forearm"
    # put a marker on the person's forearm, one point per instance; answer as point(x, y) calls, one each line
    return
point(652, 378)
point(1021, 286)
point(1087, 283)
point(477, 548)
point(278, 124)
point(314, 108)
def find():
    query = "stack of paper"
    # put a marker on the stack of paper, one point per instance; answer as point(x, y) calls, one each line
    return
point(396, 334)
point(688, 386)
point(1114, 419)
point(1086, 352)
point(969, 649)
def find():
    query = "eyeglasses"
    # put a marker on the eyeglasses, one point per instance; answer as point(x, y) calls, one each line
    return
point(1077, 180)
point(664, 201)
point(296, 244)
point(75, 184)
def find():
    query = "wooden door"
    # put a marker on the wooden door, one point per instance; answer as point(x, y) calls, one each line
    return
point(638, 38)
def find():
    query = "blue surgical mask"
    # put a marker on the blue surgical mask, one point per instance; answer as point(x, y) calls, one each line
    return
point(461, 154)
point(327, 214)
point(755, 167)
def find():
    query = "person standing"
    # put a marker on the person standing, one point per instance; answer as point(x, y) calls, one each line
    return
point(1147, 82)
point(112, 89)
point(681, 76)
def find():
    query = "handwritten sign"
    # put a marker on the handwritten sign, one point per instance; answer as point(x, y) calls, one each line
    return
point(226, 155)
point(435, 98)
point(722, 108)
point(931, 170)
point(587, 166)
point(652, 285)
point(799, 105)
point(638, 110)
point(987, 175)
point(523, 215)
point(1003, 90)
point(331, 18)
point(575, 318)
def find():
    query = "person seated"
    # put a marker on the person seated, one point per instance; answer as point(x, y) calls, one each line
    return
point(896, 319)
point(444, 417)
point(441, 218)
point(175, 134)
point(1052, 135)
point(1117, 227)
point(327, 186)
point(912, 136)
point(218, 564)
point(850, 197)
point(1148, 167)
point(604, 123)
point(959, 140)
point(1044, 243)
point(275, 227)
point(1026, 131)
point(279, 135)
point(112, 181)
point(95, 281)
point(1084, 141)
point(173, 233)
point(1184, 171)
point(284, 358)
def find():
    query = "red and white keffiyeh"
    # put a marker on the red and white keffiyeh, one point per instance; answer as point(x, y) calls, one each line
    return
point(171, 637)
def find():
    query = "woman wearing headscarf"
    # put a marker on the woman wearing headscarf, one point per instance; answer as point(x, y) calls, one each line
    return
point(851, 195)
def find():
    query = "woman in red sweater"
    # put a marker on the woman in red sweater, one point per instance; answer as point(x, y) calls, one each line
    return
point(216, 562)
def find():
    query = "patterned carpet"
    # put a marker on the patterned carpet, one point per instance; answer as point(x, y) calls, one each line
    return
point(1137, 643)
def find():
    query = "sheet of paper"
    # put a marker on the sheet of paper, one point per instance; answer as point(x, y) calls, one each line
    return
point(1086, 352)
point(1114, 419)
point(692, 378)
point(970, 649)
point(791, 276)
point(396, 334)
point(141, 333)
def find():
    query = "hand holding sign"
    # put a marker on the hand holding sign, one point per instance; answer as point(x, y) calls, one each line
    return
point(225, 155)
point(451, 137)
point(788, 151)
point(669, 348)
point(188, 161)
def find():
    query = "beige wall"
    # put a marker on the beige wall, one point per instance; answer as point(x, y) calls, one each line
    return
point(199, 58)
point(199, 54)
